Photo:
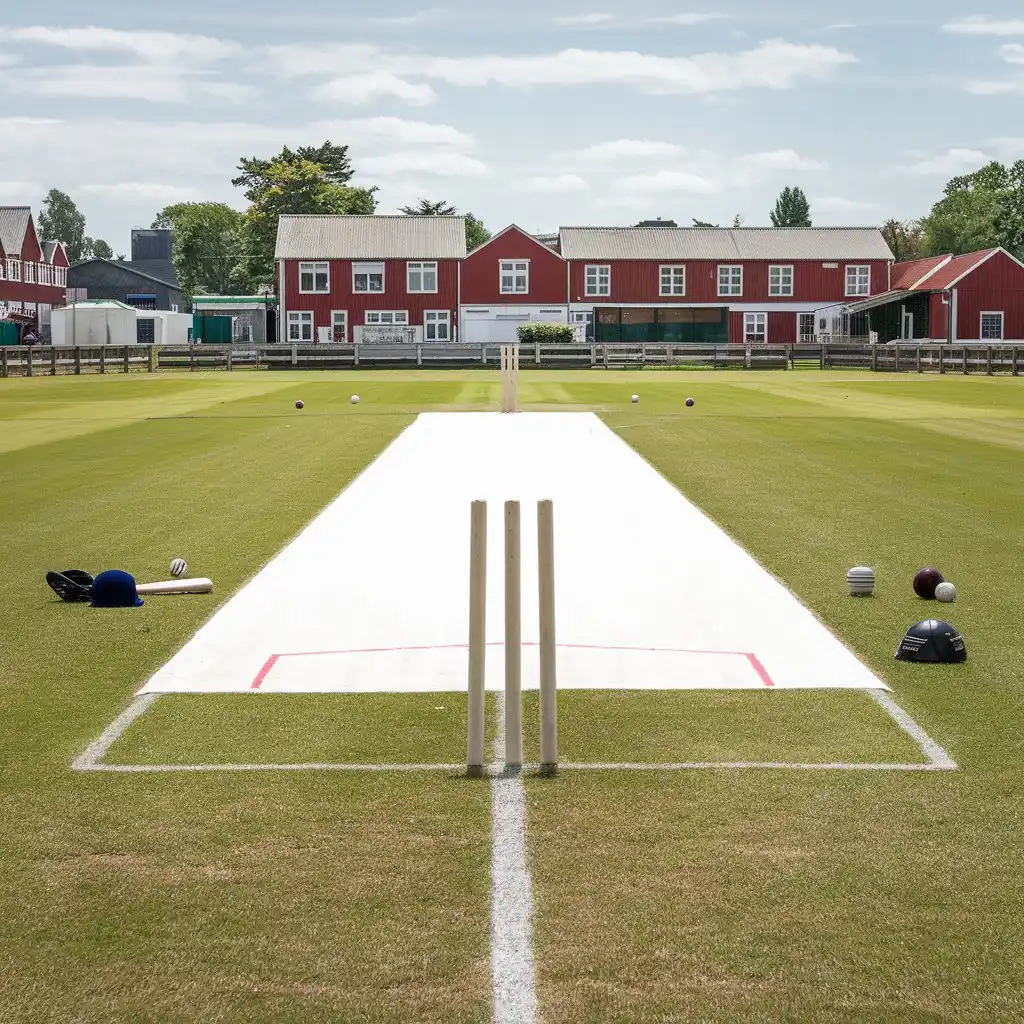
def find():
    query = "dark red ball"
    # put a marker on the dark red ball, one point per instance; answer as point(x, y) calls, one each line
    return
point(926, 581)
point(690, 403)
point(300, 404)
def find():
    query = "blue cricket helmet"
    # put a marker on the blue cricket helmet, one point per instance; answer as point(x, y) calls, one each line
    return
point(115, 589)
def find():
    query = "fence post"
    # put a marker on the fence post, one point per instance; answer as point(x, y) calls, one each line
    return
point(355, 352)
point(988, 362)
point(127, 359)
point(897, 358)
point(78, 360)
point(230, 355)
point(483, 353)
point(942, 359)
point(295, 355)
point(53, 361)
point(593, 356)
point(918, 358)
point(419, 354)
point(536, 352)
point(746, 357)
point(1014, 360)
point(822, 359)
point(606, 355)
point(789, 357)
point(874, 358)
point(191, 357)
point(966, 351)
point(3, 362)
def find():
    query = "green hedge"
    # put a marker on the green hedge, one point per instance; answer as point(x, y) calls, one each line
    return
point(546, 334)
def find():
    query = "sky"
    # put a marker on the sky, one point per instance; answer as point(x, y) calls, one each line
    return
point(539, 112)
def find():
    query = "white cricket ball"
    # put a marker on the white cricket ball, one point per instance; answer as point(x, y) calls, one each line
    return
point(636, 399)
point(945, 592)
point(179, 567)
point(355, 399)
point(861, 581)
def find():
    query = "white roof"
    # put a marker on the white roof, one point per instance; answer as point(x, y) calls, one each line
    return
point(380, 237)
point(724, 244)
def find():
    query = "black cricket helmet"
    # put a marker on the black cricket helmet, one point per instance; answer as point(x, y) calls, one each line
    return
point(932, 641)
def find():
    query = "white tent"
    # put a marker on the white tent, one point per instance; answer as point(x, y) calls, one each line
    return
point(96, 322)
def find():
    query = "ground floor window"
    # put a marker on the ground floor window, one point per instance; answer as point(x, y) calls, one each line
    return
point(339, 326)
point(394, 316)
point(755, 328)
point(437, 325)
point(992, 326)
point(805, 327)
point(300, 326)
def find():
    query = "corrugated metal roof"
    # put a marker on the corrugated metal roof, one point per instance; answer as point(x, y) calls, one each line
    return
point(49, 248)
point(911, 272)
point(14, 222)
point(896, 295)
point(724, 244)
point(955, 269)
point(382, 237)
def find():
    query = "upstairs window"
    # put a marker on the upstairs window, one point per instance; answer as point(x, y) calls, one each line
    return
point(515, 277)
point(368, 277)
point(314, 278)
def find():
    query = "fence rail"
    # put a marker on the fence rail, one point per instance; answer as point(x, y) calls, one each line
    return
point(47, 360)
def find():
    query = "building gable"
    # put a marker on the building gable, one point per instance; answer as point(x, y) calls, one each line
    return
point(516, 257)
point(14, 222)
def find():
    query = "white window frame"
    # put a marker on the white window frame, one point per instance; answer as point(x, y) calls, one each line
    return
point(730, 280)
point(386, 318)
point(1002, 324)
point(814, 326)
point(300, 318)
point(421, 269)
point(30, 307)
point(755, 319)
point(30, 272)
point(513, 271)
point(314, 270)
point(601, 285)
point(339, 317)
point(778, 288)
point(675, 276)
point(367, 270)
point(855, 287)
point(436, 319)
point(13, 269)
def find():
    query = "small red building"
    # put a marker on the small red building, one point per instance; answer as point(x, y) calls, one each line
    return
point(509, 280)
point(369, 278)
point(976, 297)
point(713, 285)
point(33, 274)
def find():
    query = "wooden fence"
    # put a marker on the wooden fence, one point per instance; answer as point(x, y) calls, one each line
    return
point(49, 360)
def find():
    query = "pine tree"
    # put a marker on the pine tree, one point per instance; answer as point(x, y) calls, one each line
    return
point(792, 209)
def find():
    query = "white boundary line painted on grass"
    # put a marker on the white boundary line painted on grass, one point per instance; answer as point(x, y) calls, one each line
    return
point(512, 969)
point(935, 754)
point(90, 758)
point(327, 766)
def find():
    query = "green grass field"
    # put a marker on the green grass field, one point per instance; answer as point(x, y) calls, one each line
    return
point(339, 896)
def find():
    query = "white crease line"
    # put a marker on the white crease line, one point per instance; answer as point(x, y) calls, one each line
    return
point(512, 969)
point(90, 758)
point(936, 755)
point(763, 765)
point(141, 769)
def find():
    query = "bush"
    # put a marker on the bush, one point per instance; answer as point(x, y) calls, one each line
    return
point(546, 334)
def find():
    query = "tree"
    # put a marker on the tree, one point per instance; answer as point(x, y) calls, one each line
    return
point(979, 211)
point(703, 223)
point(332, 160)
point(99, 250)
point(905, 238)
point(291, 187)
point(792, 210)
point(426, 208)
point(207, 246)
point(476, 233)
point(60, 220)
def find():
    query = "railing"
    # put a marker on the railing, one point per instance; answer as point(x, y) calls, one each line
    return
point(47, 360)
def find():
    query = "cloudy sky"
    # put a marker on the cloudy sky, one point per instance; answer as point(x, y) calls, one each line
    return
point(542, 112)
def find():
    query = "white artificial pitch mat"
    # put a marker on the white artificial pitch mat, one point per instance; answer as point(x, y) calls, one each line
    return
point(373, 595)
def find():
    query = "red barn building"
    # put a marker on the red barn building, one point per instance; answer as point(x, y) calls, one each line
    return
point(509, 280)
point(363, 278)
point(718, 285)
point(33, 274)
point(976, 297)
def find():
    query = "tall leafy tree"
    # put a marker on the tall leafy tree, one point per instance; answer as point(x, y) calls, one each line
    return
point(792, 210)
point(99, 249)
point(905, 238)
point(60, 220)
point(207, 246)
point(332, 160)
point(291, 187)
point(979, 211)
point(476, 233)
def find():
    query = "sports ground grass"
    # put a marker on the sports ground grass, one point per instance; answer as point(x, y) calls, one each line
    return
point(689, 897)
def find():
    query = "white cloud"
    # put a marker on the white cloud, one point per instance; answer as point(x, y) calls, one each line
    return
point(154, 47)
point(628, 149)
point(774, 64)
point(982, 25)
point(20, 191)
point(669, 182)
point(957, 160)
point(690, 18)
point(146, 190)
point(1006, 87)
point(361, 89)
point(424, 17)
point(752, 168)
point(584, 19)
point(439, 164)
point(1012, 53)
point(556, 184)
point(838, 206)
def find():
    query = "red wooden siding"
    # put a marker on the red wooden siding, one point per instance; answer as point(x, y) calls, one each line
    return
point(782, 328)
point(938, 316)
point(394, 297)
point(547, 281)
point(996, 286)
point(639, 281)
